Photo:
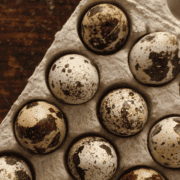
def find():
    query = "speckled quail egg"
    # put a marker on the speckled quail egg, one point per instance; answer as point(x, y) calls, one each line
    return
point(92, 158)
point(154, 59)
point(40, 127)
point(123, 112)
point(13, 168)
point(104, 28)
point(143, 174)
point(164, 142)
point(73, 79)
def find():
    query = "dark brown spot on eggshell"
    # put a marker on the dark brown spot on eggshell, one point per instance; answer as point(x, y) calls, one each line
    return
point(32, 104)
point(66, 92)
point(175, 62)
point(149, 37)
point(155, 177)
point(85, 61)
point(78, 84)
point(11, 160)
point(59, 115)
point(63, 70)
point(54, 67)
point(162, 143)
point(130, 176)
point(39, 131)
point(51, 110)
point(67, 65)
point(71, 57)
point(137, 66)
point(21, 175)
point(177, 129)
point(69, 70)
point(39, 150)
point(106, 148)
point(177, 119)
point(157, 129)
point(131, 93)
point(55, 140)
point(159, 69)
point(76, 161)
point(108, 109)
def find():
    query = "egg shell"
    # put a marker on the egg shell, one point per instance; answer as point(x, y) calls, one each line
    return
point(154, 59)
point(40, 127)
point(73, 79)
point(13, 168)
point(123, 112)
point(143, 174)
point(92, 158)
point(104, 28)
point(164, 142)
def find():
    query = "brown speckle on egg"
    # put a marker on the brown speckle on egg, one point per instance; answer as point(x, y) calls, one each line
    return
point(12, 167)
point(164, 136)
point(123, 112)
point(78, 83)
point(11, 160)
point(59, 114)
point(142, 174)
point(156, 130)
point(40, 128)
point(92, 158)
point(51, 110)
point(32, 104)
point(54, 67)
point(104, 28)
point(177, 129)
point(158, 62)
point(55, 140)
point(22, 175)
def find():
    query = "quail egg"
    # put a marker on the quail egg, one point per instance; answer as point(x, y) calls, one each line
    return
point(143, 174)
point(13, 168)
point(40, 127)
point(104, 28)
point(164, 142)
point(92, 158)
point(154, 59)
point(123, 112)
point(73, 79)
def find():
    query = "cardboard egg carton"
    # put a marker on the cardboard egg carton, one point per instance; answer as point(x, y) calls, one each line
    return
point(145, 16)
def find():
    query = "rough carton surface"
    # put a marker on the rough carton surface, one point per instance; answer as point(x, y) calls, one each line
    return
point(145, 16)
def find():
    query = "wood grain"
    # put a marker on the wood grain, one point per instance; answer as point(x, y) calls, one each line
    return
point(27, 30)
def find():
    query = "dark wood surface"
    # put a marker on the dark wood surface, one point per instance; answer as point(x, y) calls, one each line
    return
point(27, 30)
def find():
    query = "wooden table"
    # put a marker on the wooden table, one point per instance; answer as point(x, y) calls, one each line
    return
point(27, 30)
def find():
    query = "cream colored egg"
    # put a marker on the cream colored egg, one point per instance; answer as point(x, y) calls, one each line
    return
point(40, 127)
point(104, 28)
point(13, 168)
point(143, 174)
point(92, 158)
point(73, 79)
point(154, 59)
point(164, 142)
point(123, 112)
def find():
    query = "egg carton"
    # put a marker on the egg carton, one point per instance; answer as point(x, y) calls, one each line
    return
point(144, 16)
